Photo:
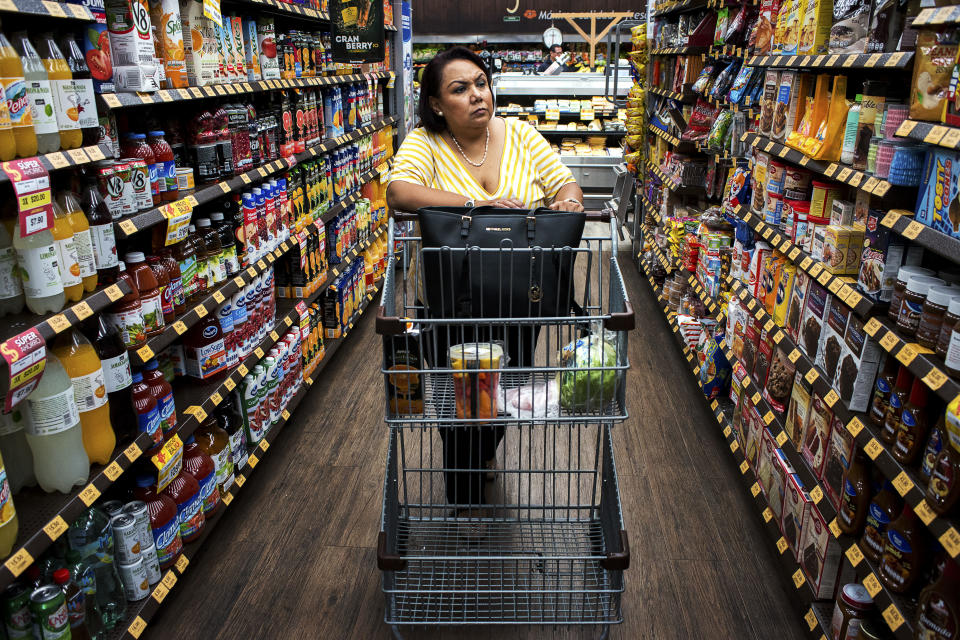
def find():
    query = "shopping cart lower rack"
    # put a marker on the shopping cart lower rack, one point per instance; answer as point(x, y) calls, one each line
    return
point(501, 503)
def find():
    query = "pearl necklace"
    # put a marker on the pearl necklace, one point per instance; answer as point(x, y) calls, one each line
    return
point(486, 145)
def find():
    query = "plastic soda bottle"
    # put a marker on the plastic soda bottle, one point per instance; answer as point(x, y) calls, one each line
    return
point(162, 392)
point(39, 270)
point(83, 575)
point(90, 393)
point(64, 97)
point(54, 433)
point(67, 259)
point(117, 377)
point(8, 515)
point(201, 466)
point(11, 288)
point(82, 88)
point(17, 104)
point(13, 443)
point(92, 536)
point(76, 604)
point(40, 93)
point(82, 239)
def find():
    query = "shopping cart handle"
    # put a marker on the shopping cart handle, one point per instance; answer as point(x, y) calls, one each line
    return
point(602, 215)
point(619, 561)
point(389, 325)
point(387, 562)
point(621, 320)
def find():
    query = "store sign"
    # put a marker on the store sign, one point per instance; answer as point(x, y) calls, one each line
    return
point(31, 182)
point(508, 16)
point(358, 34)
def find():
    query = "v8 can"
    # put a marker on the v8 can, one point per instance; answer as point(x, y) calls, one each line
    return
point(49, 607)
point(140, 179)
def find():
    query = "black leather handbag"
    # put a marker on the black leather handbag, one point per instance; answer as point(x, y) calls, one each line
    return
point(499, 263)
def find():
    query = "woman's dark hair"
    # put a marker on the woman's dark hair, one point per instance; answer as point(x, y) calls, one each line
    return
point(430, 84)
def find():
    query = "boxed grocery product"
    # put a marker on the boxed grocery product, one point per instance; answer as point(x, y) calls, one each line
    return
point(754, 428)
point(832, 243)
point(858, 367)
point(758, 260)
point(787, 34)
point(841, 212)
point(779, 381)
point(816, 438)
point(781, 107)
point(852, 264)
point(851, 21)
point(199, 42)
point(880, 260)
point(778, 481)
point(796, 502)
point(771, 87)
point(811, 322)
point(768, 284)
point(788, 275)
point(861, 207)
point(739, 319)
point(766, 23)
point(829, 354)
point(938, 206)
point(759, 179)
point(751, 342)
point(838, 459)
point(798, 299)
point(933, 66)
point(765, 460)
point(819, 554)
point(815, 27)
point(798, 411)
point(764, 357)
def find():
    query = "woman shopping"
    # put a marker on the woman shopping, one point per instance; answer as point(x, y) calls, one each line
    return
point(461, 155)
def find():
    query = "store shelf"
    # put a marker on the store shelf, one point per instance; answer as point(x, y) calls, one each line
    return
point(146, 219)
point(672, 6)
point(899, 61)
point(673, 185)
point(71, 158)
point(649, 208)
point(139, 614)
point(861, 305)
point(686, 96)
point(931, 133)
point(935, 17)
point(283, 8)
point(736, 107)
point(833, 170)
point(564, 84)
point(663, 135)
point(728, 51)
point(678, 51)
point(575, 132)
point(211, 302)
point(902, 222)
point(47, 9)
point(168, 96)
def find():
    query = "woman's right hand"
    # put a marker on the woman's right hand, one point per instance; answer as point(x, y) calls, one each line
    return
point(501, 203)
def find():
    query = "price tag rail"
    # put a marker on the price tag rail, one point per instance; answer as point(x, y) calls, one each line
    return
point(648, 208)
point(945, 136)
point(881, 62)
point(674, 185)
point(936, 17)
point(928, 237)
point(679, 51)
point(687, 96)
point(48, 9)
point(671, 139)
point(151, 217)
point(666, 8)
point(582, 132)
point(62, 159)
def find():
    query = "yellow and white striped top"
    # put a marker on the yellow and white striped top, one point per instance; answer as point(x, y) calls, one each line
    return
point(530, 170)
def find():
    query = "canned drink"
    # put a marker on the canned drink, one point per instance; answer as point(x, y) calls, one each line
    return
point(140, 179)
point(17, 619)
point(112, 508)
point(110, 187)
point(151, 563)
point(134, 578)
point(128, 201)
point(49, 608)
point(126, 539)
point(138, 510)
point(108, 133)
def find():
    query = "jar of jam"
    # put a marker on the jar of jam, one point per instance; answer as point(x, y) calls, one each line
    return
point(900, 286)
point(934, 309)
point(950, 319)
point(853, 606)
point(911, 305)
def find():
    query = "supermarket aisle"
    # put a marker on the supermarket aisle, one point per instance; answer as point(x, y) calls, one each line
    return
point(294, 555)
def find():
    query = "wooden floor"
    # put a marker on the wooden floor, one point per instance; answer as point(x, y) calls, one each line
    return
point(294, 555)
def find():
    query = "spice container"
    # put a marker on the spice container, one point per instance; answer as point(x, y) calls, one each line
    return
point(934, 310)
point(885, 152)
point(896, 113)
point(906, 167)
point(911, 306)
point(900, 286)
point(852, 608)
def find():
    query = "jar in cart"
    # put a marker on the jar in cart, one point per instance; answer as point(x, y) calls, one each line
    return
point(127, 198)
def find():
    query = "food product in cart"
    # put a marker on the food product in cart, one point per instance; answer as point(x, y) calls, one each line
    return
point(585, 387)
point(475, 392)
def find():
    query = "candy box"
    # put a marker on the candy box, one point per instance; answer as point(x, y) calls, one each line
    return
point(938, 206)
point(819, 554)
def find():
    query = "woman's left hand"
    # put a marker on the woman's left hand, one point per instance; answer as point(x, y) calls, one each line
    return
point(567, 205)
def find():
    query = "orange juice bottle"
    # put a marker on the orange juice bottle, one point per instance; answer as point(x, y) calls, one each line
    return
point(67, 254)
point(17, 103)
point(79, 358)
point(65, 98)
point(81, 239)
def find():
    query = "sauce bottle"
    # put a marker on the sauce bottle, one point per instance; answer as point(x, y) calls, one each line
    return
point(185, 253)
point(162, 392)
point(883, 509)
point(149, 288)
point(203, 274)
point(855, 500)
point(205, 355)
point(912, 430)
point(102, 235)
point(228, 244)
point(148, 414)
point(902, 552)
point(216, 270)
point(932, 449)
point(83, 90)
point(40, 95)
point(166, 166)
point(134, 145)
point(215, 442)
point(82, 239)
point(17, 106)
point(938, 610)
point(163, 521)
point(39, 270)
point(61, 81)
point(117, 377)
point(185, 492)
point(882, 390)
point(159, 268)
point(79, 358)
point(126, 314)
point(944, 487)
point(198, 464)
point(67, 259)
point(898, 397)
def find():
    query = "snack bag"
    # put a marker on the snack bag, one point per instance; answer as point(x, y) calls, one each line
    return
point(585, 387)
point(932, 71)
point(829, 145)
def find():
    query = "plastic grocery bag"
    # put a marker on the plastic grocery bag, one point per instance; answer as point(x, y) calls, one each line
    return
point(585, 387)
point(537, 400)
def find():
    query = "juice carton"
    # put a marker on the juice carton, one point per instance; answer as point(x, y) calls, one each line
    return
point(96, 48)
point(165, 15)
point(131, 45)
point(267, 45)
point(239, 48)
point(252, 48)
point(199, 44)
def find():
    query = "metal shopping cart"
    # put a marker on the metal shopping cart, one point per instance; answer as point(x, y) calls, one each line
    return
point(501, 503)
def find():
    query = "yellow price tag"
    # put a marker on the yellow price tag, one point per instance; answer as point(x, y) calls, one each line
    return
point(903, 483)
point(182, 563)
point(128, 227)
point(935, 379)
point(925, 513)
point(755, 489)
point(179, 327)
point(781, 438)
point(906, 355)
point(798, 578)
point(816, 495)
point(82, 310)
point(113, 471)
point(253, 461)
point(145, 353)
point(55, 528)
point(132, 452)
point(811, 619)
point(835, 528)
point(216, 398)
point(854, 555)
point(855, 427)
point(58, 323)
point(872, 585)
point(744, 466)
point(893, 618)
point(873, 448)
point(951, 541)
point(811, 376)
point(831, 398)
point(137, 627)
point(782, 545)
point(89, 494)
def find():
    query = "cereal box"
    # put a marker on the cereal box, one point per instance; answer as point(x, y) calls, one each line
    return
point(939, 203)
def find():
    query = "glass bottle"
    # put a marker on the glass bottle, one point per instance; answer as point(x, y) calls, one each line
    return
point(216, 443)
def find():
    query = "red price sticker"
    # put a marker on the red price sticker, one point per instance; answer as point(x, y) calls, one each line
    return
point(31, 182)
point(26, 356)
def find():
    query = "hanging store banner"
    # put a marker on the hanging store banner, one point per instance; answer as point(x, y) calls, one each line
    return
point(358, 34)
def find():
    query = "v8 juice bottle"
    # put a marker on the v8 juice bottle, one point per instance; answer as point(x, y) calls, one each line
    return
point(39, 270)
point(134, 145)
point(126, 314)
point(8, 515)
point(117, 378)
point(82, 239)
point(164, 523)
point(54, 432)
point(162, 392)
point(166, 166)
point(67, 259)
point(148, 415)
point(64, 97)
point(13, 443)
point(40, 94)
point(149, 288)
point(16, 106)
point(90, 394)
point(201, 466)
point(185, 492)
